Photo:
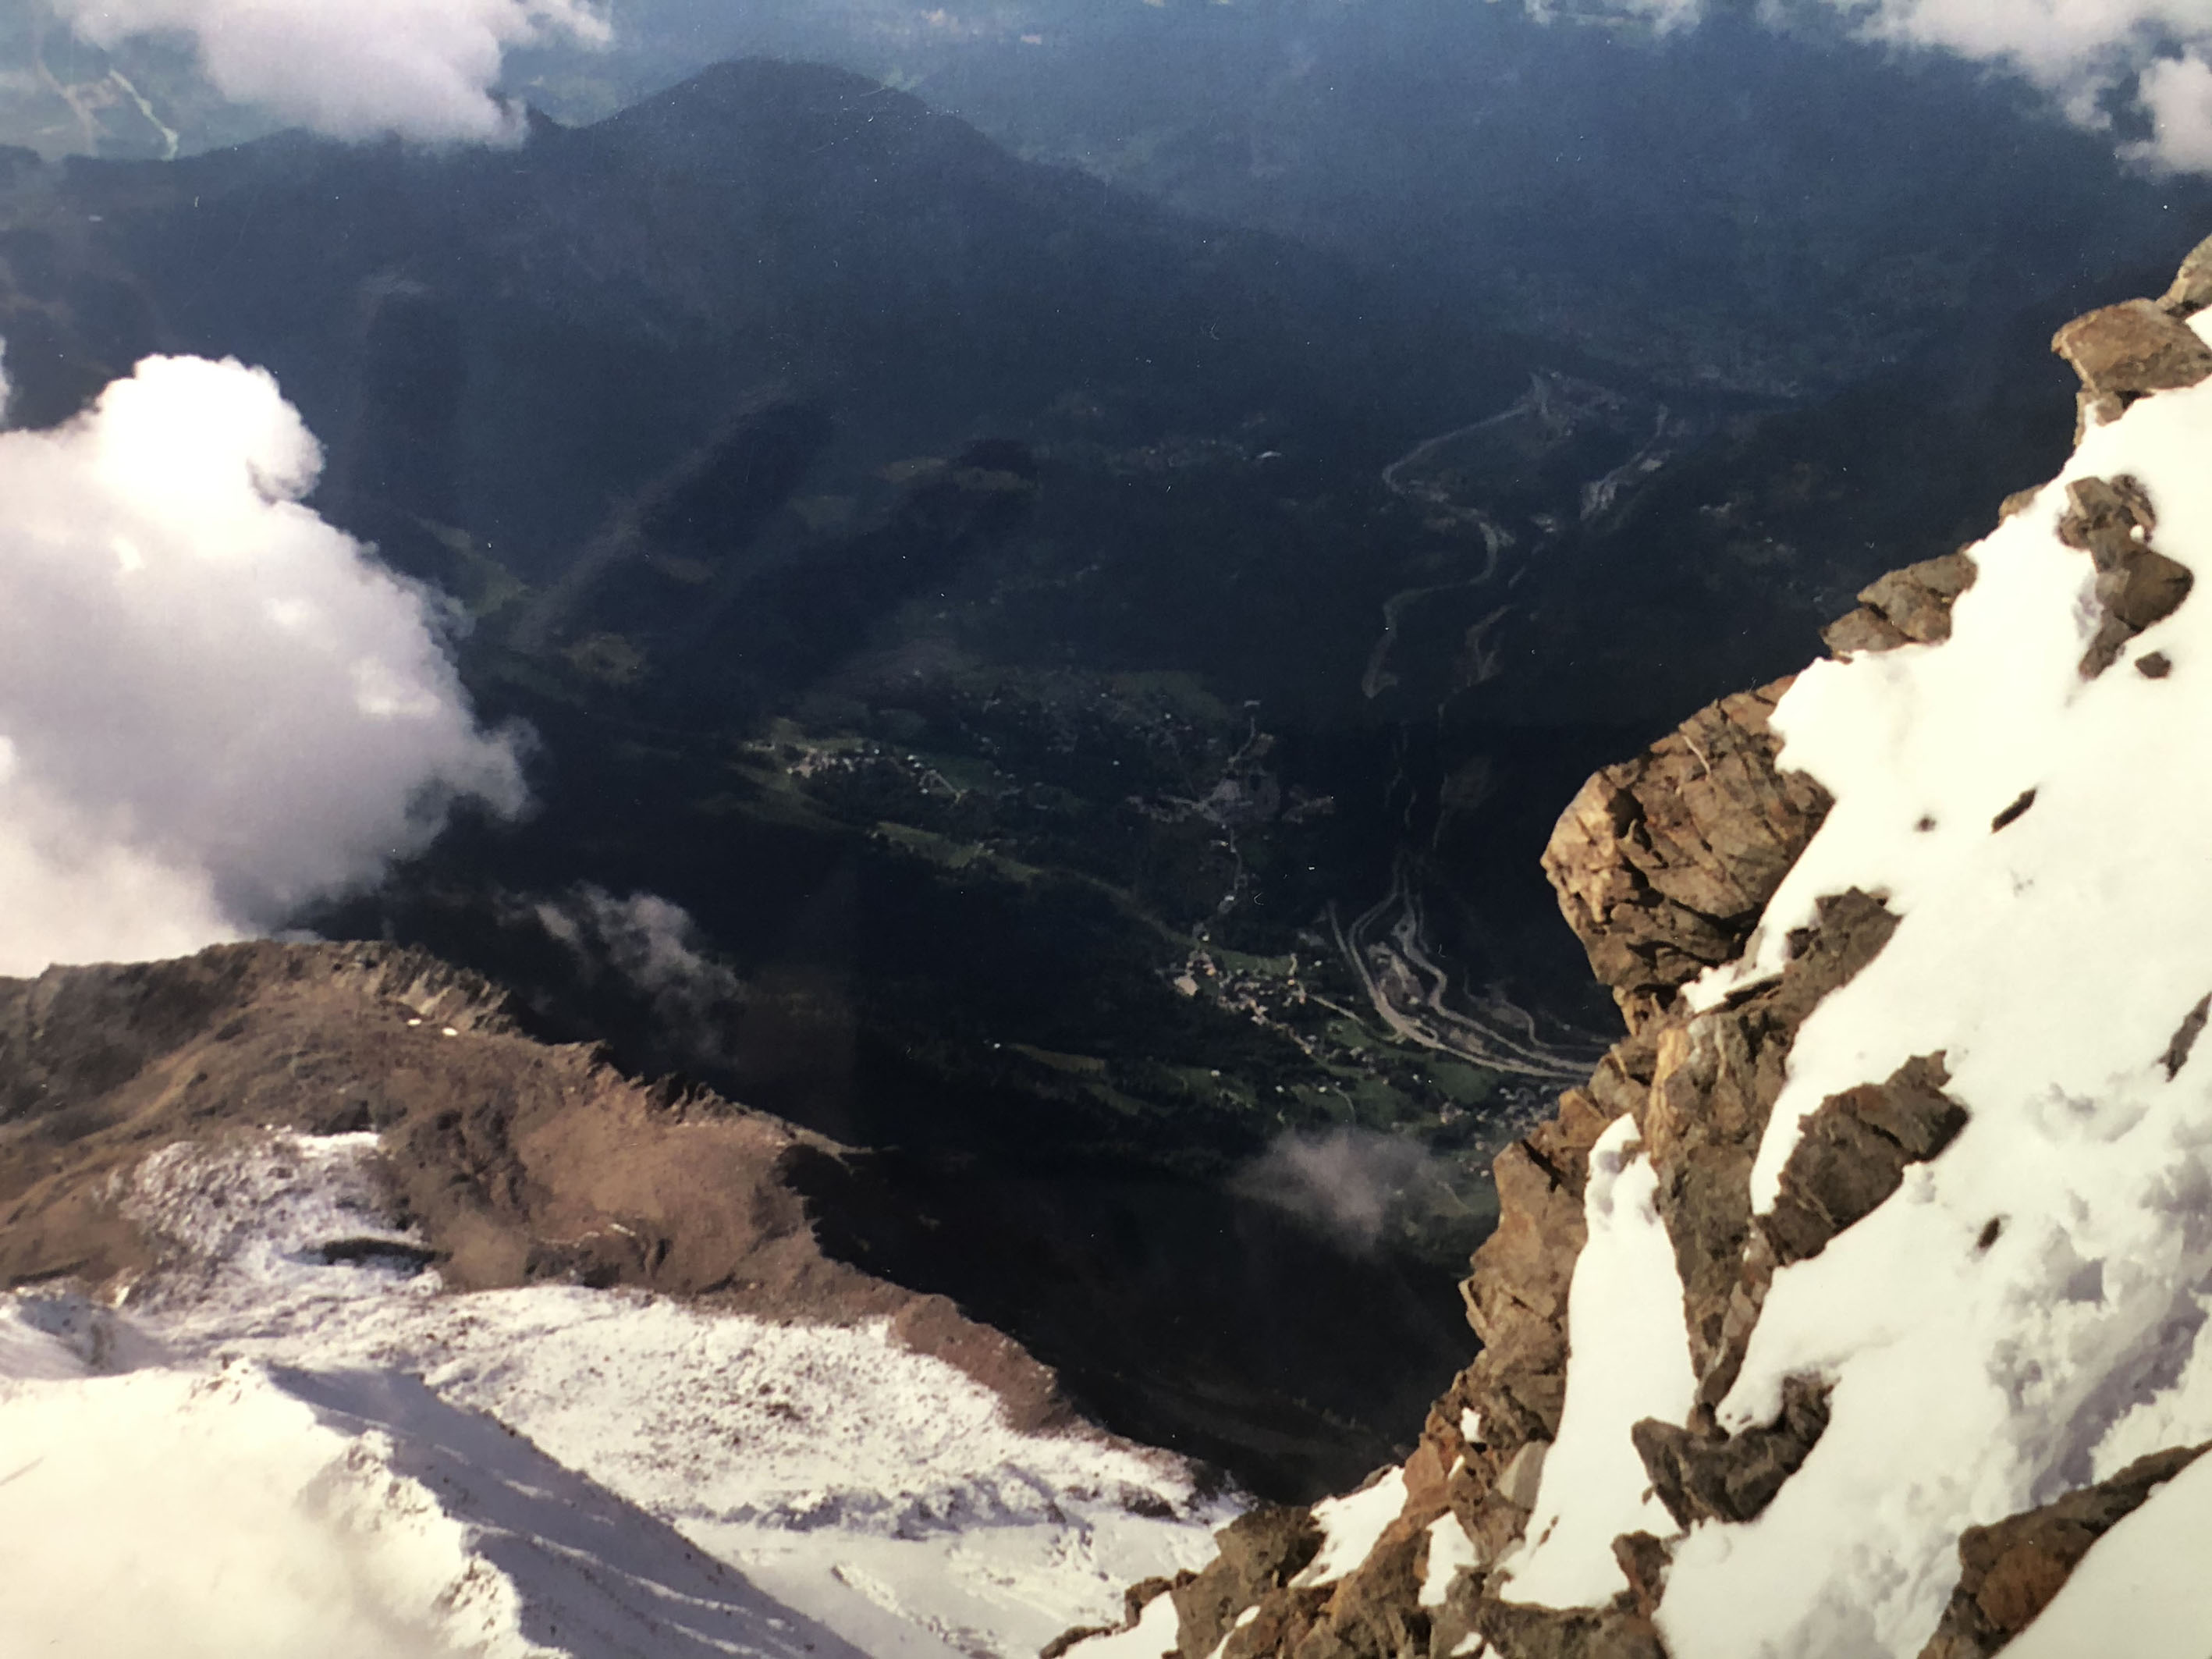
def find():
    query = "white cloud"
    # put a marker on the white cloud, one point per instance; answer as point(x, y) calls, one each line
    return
point(355, 68)
point(2177, 92)
point(2090, 54)
point(214, 706)
point(2152, 58)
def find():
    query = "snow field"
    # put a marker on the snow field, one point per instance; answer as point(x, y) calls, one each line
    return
point(1630, 1361)
point(849, 1490)
point(167, 1515)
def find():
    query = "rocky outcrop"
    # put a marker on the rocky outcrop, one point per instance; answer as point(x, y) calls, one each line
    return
point(1718, 1076)
point(1702, 1474)
point(2010, 1571)
point(2111, 520)
point(2125, 351)
point(1260, 1552)
point(1911, 606)
point(1575, 1633)
point(516, 1161)
point(1852, 1152)
point(1663, 863)
point(2191, 291)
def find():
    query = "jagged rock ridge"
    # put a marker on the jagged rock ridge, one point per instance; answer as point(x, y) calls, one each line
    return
point(520, 1163)
point(1664, 866)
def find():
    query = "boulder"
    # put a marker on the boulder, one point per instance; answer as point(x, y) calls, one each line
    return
point(2133, 348)
point(1701, 1474)
point(2111, 520)
point(1911, 606)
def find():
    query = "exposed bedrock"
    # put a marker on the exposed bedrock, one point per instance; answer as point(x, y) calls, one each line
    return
point(2126, 351)
point(1701, 1474)
point(2111, 520)
point(1663, 863)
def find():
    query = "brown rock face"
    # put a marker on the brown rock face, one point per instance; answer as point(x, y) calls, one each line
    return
point(1516, 1296)
point(1911, 606)
point(1717, 1078)
point(2010, 1571)
point(1662, 864)
point(2111, 520)
point(1702, 1474)
point(1852, 1154)
point(1519, 1632)
point(2125, 351)
point(518, 1161)
point(1261, 1551)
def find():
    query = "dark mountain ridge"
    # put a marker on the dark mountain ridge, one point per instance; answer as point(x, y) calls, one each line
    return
point(557, 322)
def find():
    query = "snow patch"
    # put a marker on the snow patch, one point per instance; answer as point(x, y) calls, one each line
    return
point(1152, 1637)
point(1451, 1552)
point(1351, 1526)
point(823, 1476)
point(1632, 1360)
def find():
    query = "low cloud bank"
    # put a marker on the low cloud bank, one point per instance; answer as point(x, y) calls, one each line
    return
point(358, 68)
point(214, 706)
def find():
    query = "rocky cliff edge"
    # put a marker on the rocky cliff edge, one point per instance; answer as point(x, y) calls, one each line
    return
point(1665, 866)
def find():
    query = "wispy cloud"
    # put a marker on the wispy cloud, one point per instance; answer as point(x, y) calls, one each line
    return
point(214, 706)
point(654, 946)
point(1348, 1182)
point(356, 68)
